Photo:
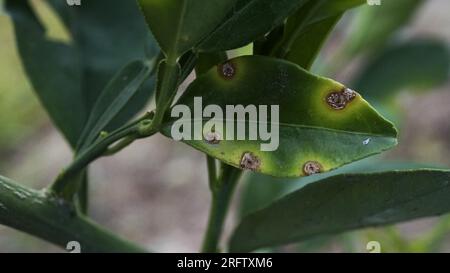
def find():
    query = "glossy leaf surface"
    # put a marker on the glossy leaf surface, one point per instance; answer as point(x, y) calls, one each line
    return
point(310, 130)
point(343, 203)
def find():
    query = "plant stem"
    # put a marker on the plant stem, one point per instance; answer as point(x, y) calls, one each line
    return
point(168, 78)
point(83, 193)
point(64, 185)
point(212, 171)
point(50, 218)
point(222, 189)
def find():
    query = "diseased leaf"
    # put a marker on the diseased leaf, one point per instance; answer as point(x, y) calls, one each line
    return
point(116, 96)
point(249, 20)
point(416, 65)
point(54, 70)
point(310, 129)
point(179, 25)
point(345, 202)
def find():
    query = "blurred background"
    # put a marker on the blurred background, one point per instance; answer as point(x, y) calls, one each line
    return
point(155, 192)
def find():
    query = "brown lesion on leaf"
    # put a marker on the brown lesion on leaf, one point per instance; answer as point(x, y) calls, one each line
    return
point(250, 162)
point(312, 167)
point(340, 100)
point(227, 70)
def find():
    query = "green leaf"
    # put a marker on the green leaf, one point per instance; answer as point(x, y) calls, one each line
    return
point(308, 28)
point(261, 190)
point(116, 96)
point(69, 78)
point(307, 45)
point(249, 20)
point(345, 202)
point(310, 129)
point(54, 70)
point(317, 11)
point(106, 43)
point(179, 25)
point(208, 60)
point(370, 32)
point(416, 65)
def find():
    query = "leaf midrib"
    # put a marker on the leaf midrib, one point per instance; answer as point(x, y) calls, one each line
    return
point(172, 55)
point(299, 126)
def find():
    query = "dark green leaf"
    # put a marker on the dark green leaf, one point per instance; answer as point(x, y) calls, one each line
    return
point(261, 190)
point(69, 78)
point(249, 20)
point(308, 28)
point(116, 96)
point(415, 65)
point(109, 34)
point(345, 202)
point(54, 70)
point(179, 25)
point(307, 45)
point(331, 8)
point(208, 60)
point(376, 24)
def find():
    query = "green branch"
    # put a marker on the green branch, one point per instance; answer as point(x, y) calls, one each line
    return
point(66, 184)
point(222, 189)
point(168, 78)
point(52, 219)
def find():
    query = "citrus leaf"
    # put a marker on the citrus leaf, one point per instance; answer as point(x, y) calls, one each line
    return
point(331, 8)
point(261, 190)
point(68, 78)
point(179, 25)
point(54, 70)
point(249, 20)
point(106, 45)
point(310, 129)
point(345, 202)
point(416, 65)
point(370, 33)
point(307, 45)
point(308, 28)
point(207, 60)
point(116, 96)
